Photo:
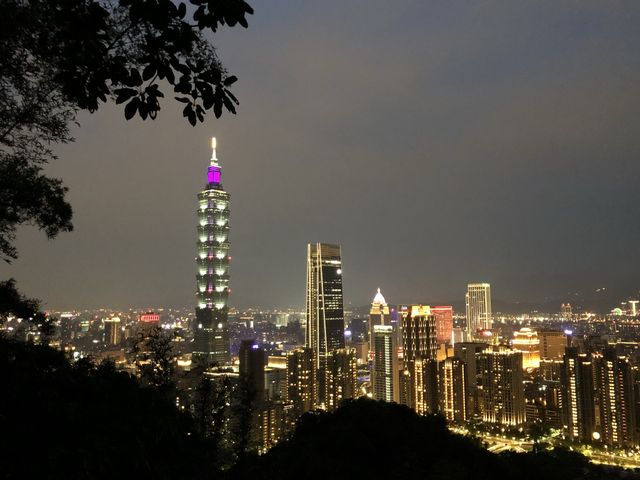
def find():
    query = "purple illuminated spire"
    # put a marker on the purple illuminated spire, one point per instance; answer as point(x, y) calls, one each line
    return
point(214, 172)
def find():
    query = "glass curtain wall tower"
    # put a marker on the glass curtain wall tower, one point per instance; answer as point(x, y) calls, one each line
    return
point(324, 306)
point(325, 316)
point(478, 306)
point(211, 329)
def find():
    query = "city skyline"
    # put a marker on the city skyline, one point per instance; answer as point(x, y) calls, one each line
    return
point(508, 334)
point(528, 147)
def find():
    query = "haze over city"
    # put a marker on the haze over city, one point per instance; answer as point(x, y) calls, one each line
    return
point(439, 143)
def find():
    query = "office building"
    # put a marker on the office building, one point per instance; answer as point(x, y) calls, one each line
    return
point(112, 331)
point(467, 351)
point(378, 315)
point(324, 307)
point(444, 323)
point(211, 328)
point(526, 342)
point(252, 365)
point(500, 386)
point(478, 308)
point(324, 301)
point(578, 396)
point(452, 390)
point(418, 333)
point(385, 372)
point(552, 344)
point(419, 349)
point(565, 310)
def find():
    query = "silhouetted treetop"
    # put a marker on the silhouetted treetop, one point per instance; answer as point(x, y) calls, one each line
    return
point(95, 50)
point(60, 420)
point(377, 440)
point(61, 56)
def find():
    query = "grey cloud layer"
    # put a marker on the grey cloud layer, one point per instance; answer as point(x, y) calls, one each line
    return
point(439, 142)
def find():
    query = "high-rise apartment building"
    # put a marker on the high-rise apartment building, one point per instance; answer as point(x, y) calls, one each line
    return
point(578, 396)
point(615, 386)
point(478, 308)
point(324, 307)
point(385, 371)
point(424, 385)
point(452, 389)
point(444, 323)
point(466, 351)
point(500, 386)
point(301, 380)
point(211, 328)
point(340, 376)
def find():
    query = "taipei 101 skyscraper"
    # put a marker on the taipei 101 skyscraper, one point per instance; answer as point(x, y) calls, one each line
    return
point(211, 328)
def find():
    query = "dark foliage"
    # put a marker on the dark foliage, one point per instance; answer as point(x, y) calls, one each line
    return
point(86, 422)
point(13, 303)
point(152, 354)
point(61, 56)
point(28, 196)
point(376, 440)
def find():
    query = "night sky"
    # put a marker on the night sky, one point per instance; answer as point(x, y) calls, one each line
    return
point(440, 142)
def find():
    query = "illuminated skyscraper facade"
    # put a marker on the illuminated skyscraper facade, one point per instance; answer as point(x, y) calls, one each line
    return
point(211, 329)
point(378, 315)
point(420, 348)
point(324, 303)
point(578, 395)
point(467, 351)
point(526, 341)
point(478, 308)
point(500, 387)
point(385, 371)
point(324, 307)
point(453, 391)
point(444, 323)
point(615, 386)
point(112, 331)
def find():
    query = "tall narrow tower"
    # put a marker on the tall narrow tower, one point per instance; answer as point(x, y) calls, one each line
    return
point(325, 315)
point(478, 305)
point(211, 329)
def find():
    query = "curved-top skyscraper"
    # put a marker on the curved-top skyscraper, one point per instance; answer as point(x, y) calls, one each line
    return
point(211, 329)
